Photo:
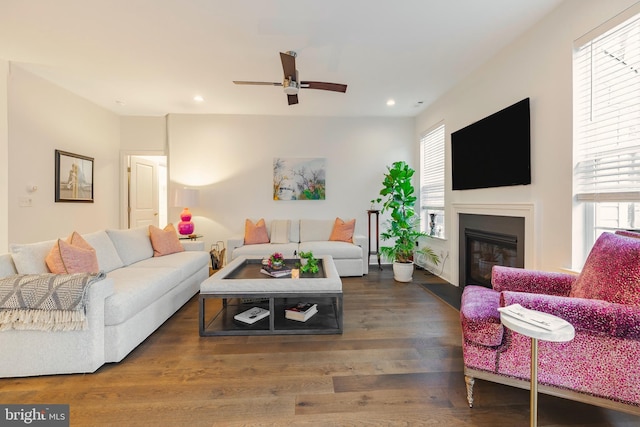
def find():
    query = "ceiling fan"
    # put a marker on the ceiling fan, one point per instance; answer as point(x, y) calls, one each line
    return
point(291, 84)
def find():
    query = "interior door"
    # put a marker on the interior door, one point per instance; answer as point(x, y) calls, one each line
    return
point(143, 193)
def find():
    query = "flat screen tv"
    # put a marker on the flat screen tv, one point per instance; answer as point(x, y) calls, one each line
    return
point(495, 151)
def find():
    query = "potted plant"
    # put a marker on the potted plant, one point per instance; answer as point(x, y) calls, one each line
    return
point(399, 200)
point(311, 263)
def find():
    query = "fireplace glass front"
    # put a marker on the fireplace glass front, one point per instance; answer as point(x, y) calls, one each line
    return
point(486, 249)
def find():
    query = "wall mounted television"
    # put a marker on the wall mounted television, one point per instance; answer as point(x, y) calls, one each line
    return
point(494, 151)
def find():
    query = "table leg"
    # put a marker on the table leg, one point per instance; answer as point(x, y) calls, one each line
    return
point(534, 383)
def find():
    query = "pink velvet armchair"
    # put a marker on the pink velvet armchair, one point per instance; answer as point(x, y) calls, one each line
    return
point(601, 365)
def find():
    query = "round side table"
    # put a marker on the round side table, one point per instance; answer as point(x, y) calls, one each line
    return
point(565, 332)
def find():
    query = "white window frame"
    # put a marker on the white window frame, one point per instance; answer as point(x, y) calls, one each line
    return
point(607, 129)
point(432, 173)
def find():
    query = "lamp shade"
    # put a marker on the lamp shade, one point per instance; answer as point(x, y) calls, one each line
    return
point(185, 197)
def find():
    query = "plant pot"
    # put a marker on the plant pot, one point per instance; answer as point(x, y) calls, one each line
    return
point(402, 271)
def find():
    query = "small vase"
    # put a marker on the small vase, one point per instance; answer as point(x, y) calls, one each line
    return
point(277, 265)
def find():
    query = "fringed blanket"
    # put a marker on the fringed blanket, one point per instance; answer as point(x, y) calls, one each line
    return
point(45, 302)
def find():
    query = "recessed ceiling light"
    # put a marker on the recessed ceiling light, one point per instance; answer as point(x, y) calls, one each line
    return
point(198, 98)
point(391, 103)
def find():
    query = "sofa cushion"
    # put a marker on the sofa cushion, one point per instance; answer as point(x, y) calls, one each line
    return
point(612, 271)
point(29, 257)
point(73, 255)
point(265, 249)
point(280, 231)
point(315, 229)
point(135, 289)
point(7, 267)
point(338, 250)
point(164, 242)
point(480, 316)
point(108, 258)
point(255, 234)
point(343, 231)
point(133, 244)
point(187, 262)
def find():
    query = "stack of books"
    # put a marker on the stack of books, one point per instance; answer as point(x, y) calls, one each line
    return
point(301, 311)
point(252, 315)
point(283, 272)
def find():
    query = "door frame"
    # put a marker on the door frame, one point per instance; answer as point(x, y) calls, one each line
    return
point(124, 180)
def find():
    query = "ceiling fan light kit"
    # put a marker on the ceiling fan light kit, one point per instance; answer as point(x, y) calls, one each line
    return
point(291, 84)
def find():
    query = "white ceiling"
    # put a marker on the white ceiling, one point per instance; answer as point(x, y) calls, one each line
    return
point(151, 57)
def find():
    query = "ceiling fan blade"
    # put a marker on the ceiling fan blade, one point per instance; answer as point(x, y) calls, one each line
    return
point(335, 87)
point(293, 99)
point(288, 65)
point(242, 82)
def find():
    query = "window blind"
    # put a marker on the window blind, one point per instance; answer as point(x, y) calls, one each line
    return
point(432, 169)
point(607, 116)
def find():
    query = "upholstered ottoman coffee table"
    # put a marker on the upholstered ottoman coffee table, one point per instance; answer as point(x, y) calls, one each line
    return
point(240, 286)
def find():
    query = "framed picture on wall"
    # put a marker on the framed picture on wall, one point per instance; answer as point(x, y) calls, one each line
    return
point(299, 179)
point(74, 177)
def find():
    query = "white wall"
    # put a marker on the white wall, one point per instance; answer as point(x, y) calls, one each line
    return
point(4, 157)
point(538, 66)
point(42, 118)
point(143, 134)
point(231, 159)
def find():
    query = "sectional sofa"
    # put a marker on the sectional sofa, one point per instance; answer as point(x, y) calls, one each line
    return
point(304, 235)
point(139, 293)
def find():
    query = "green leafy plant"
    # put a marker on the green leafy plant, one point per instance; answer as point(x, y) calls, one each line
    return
point(398, 198)
point(311, 266)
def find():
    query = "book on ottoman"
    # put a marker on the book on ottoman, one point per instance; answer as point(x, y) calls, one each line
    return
point(283, 272)
point(301, 311)
point(252, 315)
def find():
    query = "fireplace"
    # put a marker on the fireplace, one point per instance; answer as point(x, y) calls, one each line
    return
point(488, 240)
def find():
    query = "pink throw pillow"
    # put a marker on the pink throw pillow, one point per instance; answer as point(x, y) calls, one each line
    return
point(255, 233)
point(164, 242)
point(74, 255)
point(612, 271)
point(343, 231)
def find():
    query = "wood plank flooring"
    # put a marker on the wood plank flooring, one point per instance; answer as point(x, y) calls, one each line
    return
point(398, 363)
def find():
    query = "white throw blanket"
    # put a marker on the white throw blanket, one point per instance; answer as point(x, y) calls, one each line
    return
point(46, 302)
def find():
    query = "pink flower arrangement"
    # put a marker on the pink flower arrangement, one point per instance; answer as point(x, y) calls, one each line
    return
point(276, 259)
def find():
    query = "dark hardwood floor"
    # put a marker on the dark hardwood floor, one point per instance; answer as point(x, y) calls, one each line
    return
point(398, 362)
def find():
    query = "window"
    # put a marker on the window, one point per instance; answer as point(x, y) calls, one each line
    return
point(607, 130)
point(432, 182)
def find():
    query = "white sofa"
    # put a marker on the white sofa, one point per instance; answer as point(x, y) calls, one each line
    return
point(351, 259)
point(139, 293)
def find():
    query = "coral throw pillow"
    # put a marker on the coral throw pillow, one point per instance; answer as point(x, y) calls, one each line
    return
point(73, 255)
point(343, 231)
point(255, 233)
point(164, 242)
point(612, 271)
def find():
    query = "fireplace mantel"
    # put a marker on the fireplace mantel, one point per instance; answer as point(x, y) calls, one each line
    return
point(525, 210)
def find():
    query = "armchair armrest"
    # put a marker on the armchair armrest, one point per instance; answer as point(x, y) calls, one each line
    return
point(537, 282)
point(590, 315)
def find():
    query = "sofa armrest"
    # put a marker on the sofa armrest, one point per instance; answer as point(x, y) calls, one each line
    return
point(232, 244)
point(193, 245)
point(589, 315)
point(362, 241)
point(537, 282)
